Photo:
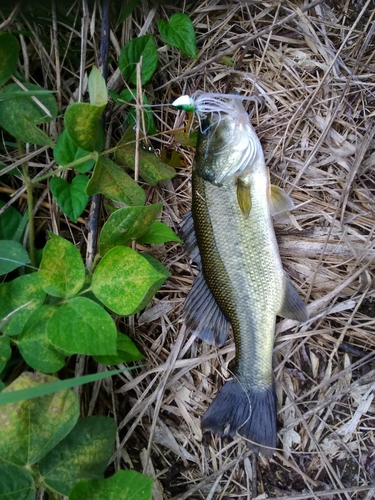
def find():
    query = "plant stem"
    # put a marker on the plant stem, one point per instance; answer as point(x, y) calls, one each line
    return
point(93, 224)
point(137, 129)
point(30, 204)
point(92, 156)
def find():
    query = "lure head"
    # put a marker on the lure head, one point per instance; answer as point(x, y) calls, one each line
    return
point(184, 103)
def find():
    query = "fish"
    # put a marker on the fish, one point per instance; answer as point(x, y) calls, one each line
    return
point(241, 283)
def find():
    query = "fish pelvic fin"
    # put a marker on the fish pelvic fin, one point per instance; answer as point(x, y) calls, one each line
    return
point(243, 196)
point(249, 411)
point(293, 306)
point(279, 201)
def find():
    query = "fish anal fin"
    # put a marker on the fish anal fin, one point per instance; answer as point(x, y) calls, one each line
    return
point(293, 306)
point(203, 316)
point(243, 196)
point(279, 201)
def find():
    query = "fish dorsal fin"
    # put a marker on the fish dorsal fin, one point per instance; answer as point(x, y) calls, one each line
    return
point(279, 201)
point(293, 306)
point(187, 234)
point(243, 196)
point(203, 316)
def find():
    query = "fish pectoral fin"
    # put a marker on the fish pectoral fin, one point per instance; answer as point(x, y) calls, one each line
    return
point(293, 306)
point(279, 201)
point(282, 218)
point(203, 316)
point(243, 196)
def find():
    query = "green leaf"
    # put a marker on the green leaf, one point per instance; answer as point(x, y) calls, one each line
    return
point(14, 171)
point(71, 198)
point(156, 264)
point(18, 299)
point(127, 9)
point(62, 270)
point(151, 168)
point(148, 116)
point(172, 158)
point(10, 221)
point(157, 233)
point(16, 483)
point(5, 352)
point(83, 454)
point(187, 139)
point(50, 388)
point(66, 152)
point(83, 326)
point(20, 116)
point(9, 49)
point(35, 346)
point(126, 224)
point(97, 88)
point(12, 256)
point(30, 429)
point(7, 96)
point(148, 120)
point(145, 47)
point(111, 180)
point(180, 33)
point(83, 126)
point(129, 95)
point(127, 351)
point(123, 269)
point(123, 485)
point(227, 61)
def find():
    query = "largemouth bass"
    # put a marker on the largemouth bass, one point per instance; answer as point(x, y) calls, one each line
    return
point(241, 280)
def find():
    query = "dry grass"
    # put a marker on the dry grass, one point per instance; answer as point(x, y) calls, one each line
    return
point(315, 69)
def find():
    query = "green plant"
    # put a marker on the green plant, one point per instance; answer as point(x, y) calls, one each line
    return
point(39, 311)
point(51, 305)
point(44, 444)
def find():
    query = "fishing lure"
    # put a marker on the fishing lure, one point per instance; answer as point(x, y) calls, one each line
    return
point(211, 103)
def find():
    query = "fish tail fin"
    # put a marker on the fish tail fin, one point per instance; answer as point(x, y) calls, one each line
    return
point(247, 410)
